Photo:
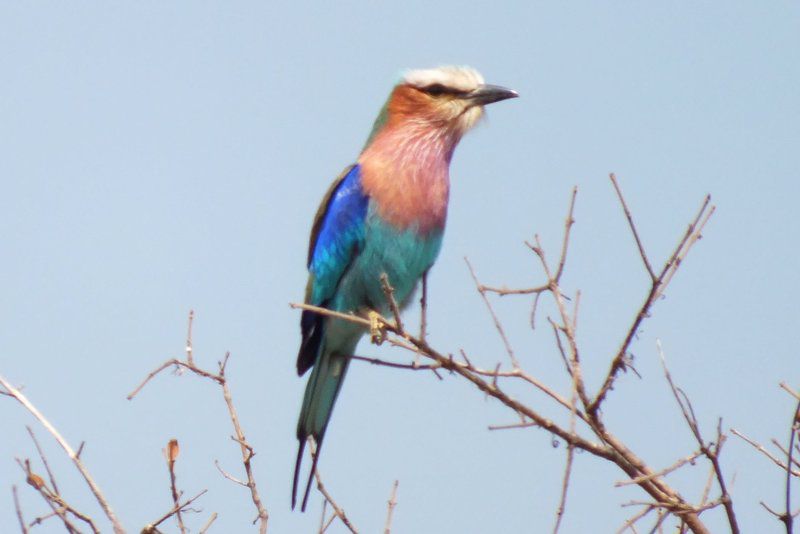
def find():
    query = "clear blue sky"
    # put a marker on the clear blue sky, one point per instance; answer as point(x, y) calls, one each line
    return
point(157, 157)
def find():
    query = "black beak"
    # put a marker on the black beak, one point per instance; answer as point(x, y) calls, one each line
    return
point(487, 94)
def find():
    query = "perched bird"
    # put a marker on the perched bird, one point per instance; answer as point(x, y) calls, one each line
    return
point(384, 214)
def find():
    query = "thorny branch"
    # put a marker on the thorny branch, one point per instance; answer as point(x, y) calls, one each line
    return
point(220, 378)
point(581, 406)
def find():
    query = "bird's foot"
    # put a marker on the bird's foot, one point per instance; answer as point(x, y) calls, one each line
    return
point(377, 328)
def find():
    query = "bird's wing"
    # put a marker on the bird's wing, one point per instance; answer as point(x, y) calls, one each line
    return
point(336, 237)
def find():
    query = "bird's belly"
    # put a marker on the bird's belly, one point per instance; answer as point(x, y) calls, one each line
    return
point(404, 255)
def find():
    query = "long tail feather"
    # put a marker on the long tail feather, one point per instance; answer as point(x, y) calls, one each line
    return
point(311, 476)
point(322, 390)
point(297, 463)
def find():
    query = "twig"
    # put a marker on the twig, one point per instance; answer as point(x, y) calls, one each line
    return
point(568, 222)
point(677, 465)
point(246, 449)
point(498, 326)
point(413, 366)
point(22, 526)
point(151, 528)
point(692, 234)
point(760, 448)
point(95, 489)
point(388, 290)
point(60, 508)
point(44, 459)
point(635, 233)
point(211, 519)
point(787, 517)
point(790, 391)
point(189, 346)
point(391, 504)
point(423, 307)
point(337, 510)
point(709, 451)
point(171, 453)
point(636, 517)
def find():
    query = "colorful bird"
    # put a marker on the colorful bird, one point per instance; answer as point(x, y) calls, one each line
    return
point(385, 214)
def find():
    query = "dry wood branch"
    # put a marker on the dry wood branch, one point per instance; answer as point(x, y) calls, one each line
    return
point(635, 232)
point(43, 458)
point(790, 391)
point(787, 517)
point(677, 465)
point(22, 526)
point(337, 510)
point(388, 290)
point(60, 508)
point(207, 526)
point(171, 454)
point(629, 524)
point(390, 506)
point(152, 528)
point(410, 366)
point(220, 378)
point(709, 450)
point(786, 452)
point(75, 457)
point(568, 222)
point(760, 448)
point(611, 449)
point(423, 307)
point(690, 237)
point(498, 326)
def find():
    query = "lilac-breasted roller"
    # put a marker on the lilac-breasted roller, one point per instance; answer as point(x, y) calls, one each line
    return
point(384, 214)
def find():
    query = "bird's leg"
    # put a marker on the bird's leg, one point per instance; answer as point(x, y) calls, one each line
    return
point(377, 328)
point(423, 303)
point(423, 319)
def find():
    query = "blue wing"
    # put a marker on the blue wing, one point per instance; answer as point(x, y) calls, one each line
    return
point(336, 237)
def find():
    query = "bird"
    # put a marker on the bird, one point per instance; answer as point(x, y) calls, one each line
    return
point(383, 216)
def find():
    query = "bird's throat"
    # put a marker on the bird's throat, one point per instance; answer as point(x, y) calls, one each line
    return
point(405, 172)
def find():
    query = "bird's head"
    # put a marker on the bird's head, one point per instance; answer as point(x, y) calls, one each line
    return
point(443, 98)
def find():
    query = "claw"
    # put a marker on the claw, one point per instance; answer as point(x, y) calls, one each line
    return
point(377, 328)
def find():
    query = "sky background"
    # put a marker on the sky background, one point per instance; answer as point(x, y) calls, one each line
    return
point(157, 157)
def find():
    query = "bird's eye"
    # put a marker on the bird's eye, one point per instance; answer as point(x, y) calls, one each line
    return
point(436, 89)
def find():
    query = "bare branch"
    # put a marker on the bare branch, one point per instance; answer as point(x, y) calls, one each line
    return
point(22, 526)
point(337, 510)
point(207, 526)
point(44, 459)
point(692, 234)
point(95, 489)
point(677, 465)
point(388, 290)
point(171, 454)
point(498, 326)
point(633, 228)
point(710, 451)
point(246, 449)
point(391, 504)
point(760, 448)
point(790, 391)
point(151, 528)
